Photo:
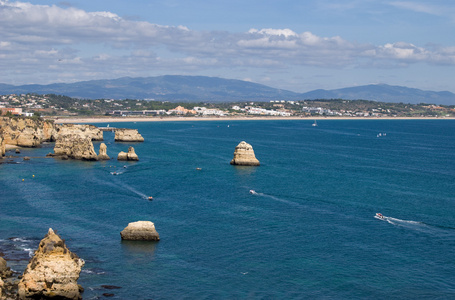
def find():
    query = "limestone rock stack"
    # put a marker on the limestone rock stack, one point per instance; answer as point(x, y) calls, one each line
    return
point(91, 131)
point(103, 152)
point(244, 155)
point(75, 146)
point(140, 231)
point(128, 135)
point(52, 272)
point(131, 155)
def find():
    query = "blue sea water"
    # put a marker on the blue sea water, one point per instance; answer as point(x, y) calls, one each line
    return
point(308, 233)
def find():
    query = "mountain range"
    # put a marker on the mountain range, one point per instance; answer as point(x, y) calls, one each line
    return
point(175, 88)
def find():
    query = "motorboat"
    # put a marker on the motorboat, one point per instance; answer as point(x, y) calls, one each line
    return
point(150, 198)
point(253, 192)
point(379, 216)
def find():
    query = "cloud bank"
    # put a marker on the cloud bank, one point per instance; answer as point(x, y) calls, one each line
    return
point(43, 42)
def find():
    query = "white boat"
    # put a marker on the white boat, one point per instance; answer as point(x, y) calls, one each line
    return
point(253, 192)
point(379, 216)
point(314, 124)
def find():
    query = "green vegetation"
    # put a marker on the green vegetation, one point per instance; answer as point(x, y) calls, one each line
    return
point(59, 105)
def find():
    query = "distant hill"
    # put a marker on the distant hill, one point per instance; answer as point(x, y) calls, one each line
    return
point(213, 89)
point(385, 93)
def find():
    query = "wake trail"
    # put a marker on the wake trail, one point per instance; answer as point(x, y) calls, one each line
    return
point(419, 226)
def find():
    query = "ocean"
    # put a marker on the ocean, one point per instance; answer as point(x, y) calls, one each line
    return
point(309, 232)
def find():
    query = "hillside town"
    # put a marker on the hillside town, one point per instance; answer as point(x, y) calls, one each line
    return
point(62, 106)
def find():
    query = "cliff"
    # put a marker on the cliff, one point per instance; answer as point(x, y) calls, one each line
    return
point(81, 129)
point(128, 135)
point(244, 155)
point(2, 144)
point(26, 132)
point(52, 272)
point(31, 132)
point(75, 146)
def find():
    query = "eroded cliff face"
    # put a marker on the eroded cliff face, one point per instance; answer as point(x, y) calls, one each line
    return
point(52, 272)
point(2, 144)
point(84, 130)
point(26, 132)
point(244, 155)
point(128, 135)
point(75, 146)
point(30, 132)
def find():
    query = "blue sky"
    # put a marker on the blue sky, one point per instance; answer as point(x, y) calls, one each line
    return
point(294, 45)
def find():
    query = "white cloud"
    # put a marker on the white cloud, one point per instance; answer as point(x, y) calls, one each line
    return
point(103, 44)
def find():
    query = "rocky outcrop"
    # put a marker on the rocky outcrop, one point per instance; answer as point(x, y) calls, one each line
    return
point(103, 152)
point(31, 132)
point(131, 155)
point(244, 155)
point(52, 273)
point(140, 231)
point(81, 129)
point(2, 144)
point(7, 287)
point(128, 135)
point(26, 132)
point(75, 146)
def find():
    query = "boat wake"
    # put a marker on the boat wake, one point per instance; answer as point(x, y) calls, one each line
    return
point(418, 226)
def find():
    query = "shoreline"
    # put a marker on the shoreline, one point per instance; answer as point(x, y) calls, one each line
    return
point(75, 120)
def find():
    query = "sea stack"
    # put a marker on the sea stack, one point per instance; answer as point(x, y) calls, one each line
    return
point(128, 135)
point(131, 155)
point(244, 155)
point(140, 231)
point(52, 272)
point(103, 152)
point(75, 146)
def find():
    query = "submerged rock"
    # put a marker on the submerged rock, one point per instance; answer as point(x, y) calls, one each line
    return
point(131, 155)
point(52, 272)
point(103, 152)
point(244, 155)
point(140, 231)
point(128, 135)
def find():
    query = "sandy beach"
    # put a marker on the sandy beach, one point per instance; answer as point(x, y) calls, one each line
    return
point(102, 119)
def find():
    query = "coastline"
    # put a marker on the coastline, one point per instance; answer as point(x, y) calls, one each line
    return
point(101, 119)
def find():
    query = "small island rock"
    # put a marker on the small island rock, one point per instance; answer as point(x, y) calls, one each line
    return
point(140, 231)
point(131, 155)
point(128, 135)
point(75, 146)
point(103, 152)
point(52, 272)
point(244, 155)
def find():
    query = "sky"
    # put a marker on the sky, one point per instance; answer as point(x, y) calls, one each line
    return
point(295, 45)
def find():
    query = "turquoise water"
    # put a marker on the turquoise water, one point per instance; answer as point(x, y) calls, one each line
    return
point(309, 232)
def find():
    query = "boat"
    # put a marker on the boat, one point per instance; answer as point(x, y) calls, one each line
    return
point(253, 192)
point(379, 216)
point(150, 198)
point(314, 124)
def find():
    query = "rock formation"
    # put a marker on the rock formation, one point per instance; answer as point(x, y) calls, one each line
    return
point(26, 132)
point(140, 231)
point(2, 144)
point(31, 132)
point(52, 272)
point(83, 130)
point(103, 152)
point(7, 288)
point(75, 146)
point(131, 155)
point(244, 155)
point(128, 135)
